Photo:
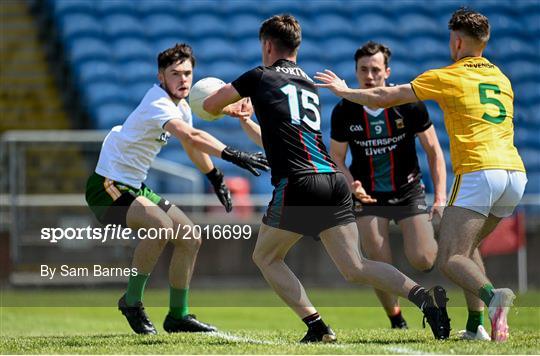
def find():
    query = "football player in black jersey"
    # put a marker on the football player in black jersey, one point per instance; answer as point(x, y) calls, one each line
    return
point(384, 172)
point(311, 195)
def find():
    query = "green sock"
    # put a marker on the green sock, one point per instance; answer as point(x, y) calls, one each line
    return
point(178, 302)
point(476, 318)
point(135, 288)
point(486, 293)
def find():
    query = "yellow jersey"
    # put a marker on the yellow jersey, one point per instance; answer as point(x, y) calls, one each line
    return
point(477, 101)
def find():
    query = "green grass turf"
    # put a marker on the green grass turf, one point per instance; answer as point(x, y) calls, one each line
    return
point(253, 322)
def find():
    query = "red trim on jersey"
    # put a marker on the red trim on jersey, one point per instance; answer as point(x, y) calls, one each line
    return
point(389, 128)
point(307, 152)
point(372, 169)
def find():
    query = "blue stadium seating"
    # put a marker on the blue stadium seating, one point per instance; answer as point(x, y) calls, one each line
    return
point(164, 25)
point(121, 25)
point(88, 48)
point(76, 25)
point(113, 45)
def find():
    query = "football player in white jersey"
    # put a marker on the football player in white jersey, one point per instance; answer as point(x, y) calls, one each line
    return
point(117, 195)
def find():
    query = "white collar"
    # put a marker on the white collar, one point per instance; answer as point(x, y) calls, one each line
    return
point(375, 112)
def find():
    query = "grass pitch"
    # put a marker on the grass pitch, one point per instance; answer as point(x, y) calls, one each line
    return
point(250, 322)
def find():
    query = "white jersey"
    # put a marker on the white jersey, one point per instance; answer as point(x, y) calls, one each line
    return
point(128, 150)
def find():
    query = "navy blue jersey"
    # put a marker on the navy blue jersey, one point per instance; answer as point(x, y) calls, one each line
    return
point(286, 103)
point(382, 143)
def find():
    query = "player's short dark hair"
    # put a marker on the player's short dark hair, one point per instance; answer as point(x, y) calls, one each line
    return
point(470, 22)
point(284, 30)
point(180, 52)
point(371, 48)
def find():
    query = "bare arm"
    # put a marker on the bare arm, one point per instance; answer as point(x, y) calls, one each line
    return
point(437, 165)
point(216, 102)
point(201, 160)
point(195, 138)
point(338, 152)
point(382, 97)
point(252, 129)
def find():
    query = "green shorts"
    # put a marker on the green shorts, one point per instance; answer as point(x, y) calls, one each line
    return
point(110, 200)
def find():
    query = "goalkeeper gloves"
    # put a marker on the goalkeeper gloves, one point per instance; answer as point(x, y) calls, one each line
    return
point(246, 160)
point(215, 176)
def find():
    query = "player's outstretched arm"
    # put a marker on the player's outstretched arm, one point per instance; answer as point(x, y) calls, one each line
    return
point(224, 100)
point(203, 162)
point(437, 167)
point(207, 143)
point(381, 97)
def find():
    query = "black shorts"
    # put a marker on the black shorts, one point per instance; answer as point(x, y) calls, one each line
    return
point(407, 202)
point(310, 204)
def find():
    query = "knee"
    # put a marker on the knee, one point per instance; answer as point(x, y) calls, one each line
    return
point(263, 259)
point(189, 241)
point(423, 262)
point(355, 273)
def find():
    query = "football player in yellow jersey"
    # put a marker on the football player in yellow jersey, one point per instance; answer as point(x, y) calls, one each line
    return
point(477, 101)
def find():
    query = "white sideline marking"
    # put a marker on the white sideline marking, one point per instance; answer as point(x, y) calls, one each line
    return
point(231, 337)
point(405, 350)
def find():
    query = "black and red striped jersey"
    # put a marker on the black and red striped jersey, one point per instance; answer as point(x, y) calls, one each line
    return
point(382, 142)
point(286, 103)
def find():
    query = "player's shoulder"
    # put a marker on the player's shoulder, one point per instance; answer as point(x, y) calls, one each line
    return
point(411, 108)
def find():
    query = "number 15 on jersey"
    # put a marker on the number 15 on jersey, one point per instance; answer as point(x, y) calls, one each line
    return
point(309, 102)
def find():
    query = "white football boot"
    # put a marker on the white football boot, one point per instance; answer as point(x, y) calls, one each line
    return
point(480, 335)
point(498, 309)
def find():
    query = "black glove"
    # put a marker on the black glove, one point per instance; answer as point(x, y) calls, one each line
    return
point(215, 176)
point(246, 160)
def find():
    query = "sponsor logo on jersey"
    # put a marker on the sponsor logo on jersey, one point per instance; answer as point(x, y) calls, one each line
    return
point(400, 124)
point(356, 128)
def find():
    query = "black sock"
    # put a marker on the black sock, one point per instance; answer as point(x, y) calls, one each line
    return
point(396, 320)
point(418, 295)
point(314, 321)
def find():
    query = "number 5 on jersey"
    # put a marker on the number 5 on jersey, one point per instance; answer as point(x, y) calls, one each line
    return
point(309, 102)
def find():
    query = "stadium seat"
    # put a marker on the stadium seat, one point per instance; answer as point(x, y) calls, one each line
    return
point(531, 22)
point(93, 71)
point(111, 114)
point(136, 71)
point(121, 25)
point(137, 90)
point(122, 7)
point(417, 24)
point(164, 25)
point(196, 7)
point(236, 7)
point(75, 26)
point(161, 7)
point(215, 48)
point(249, 50)
point(213, 26)
point(270, 8)
point(161, 44)
point(521, 70)
point(504, 24)
point(369, 26)
point(531, 159)
point(88, 48)
point(402, 72)
point(244, 26)
point(527, 92)
point(533, 185)
point(338, 49)
point(345, 70)
point(129, 49)
point(432, 49)
point(327, 25)
point(226, 70)
point(64, 7)
point(99, 93)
